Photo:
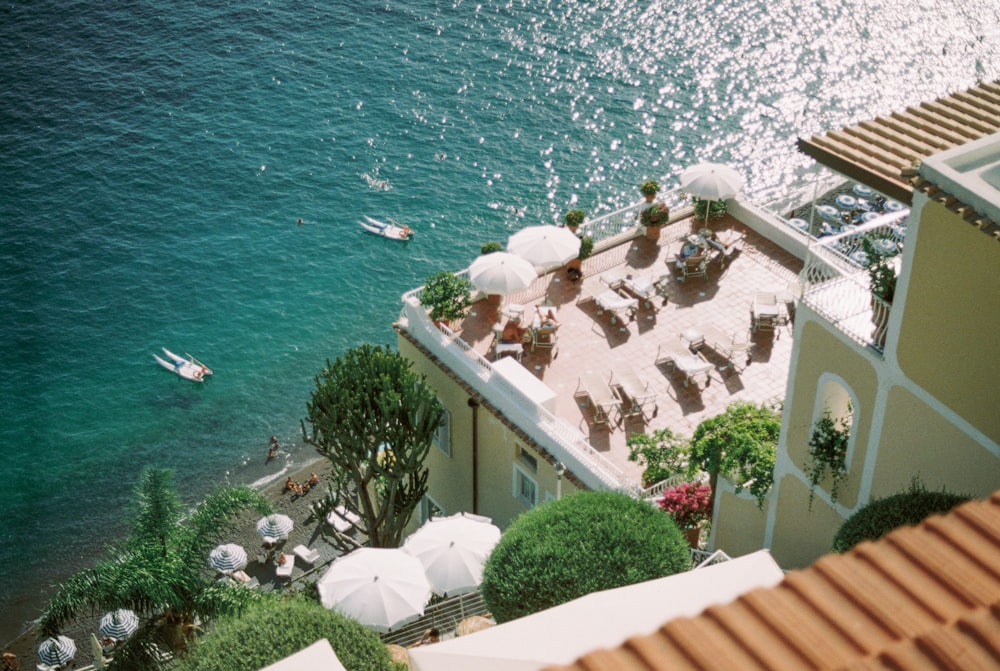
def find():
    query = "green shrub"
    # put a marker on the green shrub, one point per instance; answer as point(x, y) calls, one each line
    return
point(583, 543)
point(586, 248)
point(490, 247)
point(650, 187)
point(661, 453)
point(575, 218)
point(880, 516)
point(277, 627)
point(716, 208)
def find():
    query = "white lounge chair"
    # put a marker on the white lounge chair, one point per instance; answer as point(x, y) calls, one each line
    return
point(725, 244)
point(690, 366)
point(342, 519)
point(305, 554)
point(647, 287)
point(733, 346)
point(285, 570)
point(638, 392)
point(619, 306)
point(765, 313)
point(601, 395)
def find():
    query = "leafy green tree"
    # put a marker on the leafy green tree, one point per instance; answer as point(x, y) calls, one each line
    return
point(580, 544)
point(741, 444)
point(662, 453)
point(279, 626)
point(160, 571)
point(374, 419)
point(880, 516)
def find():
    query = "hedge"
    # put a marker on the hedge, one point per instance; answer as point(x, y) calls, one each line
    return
point(583, 543)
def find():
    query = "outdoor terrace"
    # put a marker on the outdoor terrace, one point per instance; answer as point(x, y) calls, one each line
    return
point(589, 343)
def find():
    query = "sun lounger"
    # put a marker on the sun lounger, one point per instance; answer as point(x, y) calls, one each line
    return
point(503, 348)
point(342, 520)
point(619, 306)
point(725, 244)
point(733, 346)
point(285, 570)
point(765, 314)
point(601, 395)
point(690, 366)
point(638, 392)
point(305, 554)
point(647, 287)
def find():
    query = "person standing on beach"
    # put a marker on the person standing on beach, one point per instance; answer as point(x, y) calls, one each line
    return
point(272, 451)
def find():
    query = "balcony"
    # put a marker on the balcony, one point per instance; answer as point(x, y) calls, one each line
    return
point(591, 343)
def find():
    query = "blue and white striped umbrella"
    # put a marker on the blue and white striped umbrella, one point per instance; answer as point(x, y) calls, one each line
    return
point(57, 650)
point(275, 526)
point(119, 624)
point(228, 558)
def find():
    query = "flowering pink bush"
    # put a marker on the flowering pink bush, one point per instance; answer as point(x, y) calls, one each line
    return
point(688, 503)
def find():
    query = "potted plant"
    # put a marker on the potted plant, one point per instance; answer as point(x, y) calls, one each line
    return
point(574, 267)
point(689, 504)
point(649, 189)
point(653, 217)
point(882, 279)
point(490, 247)
point(574, 218)
point(446, 296)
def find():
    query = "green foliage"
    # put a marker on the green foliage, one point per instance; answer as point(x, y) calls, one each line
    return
point(586, 247)
point(583, 543)
point(656, 214)
point(662, 454)
point(740, 444)
point(446, 295)
point(369, 398)
point(575, 217)
point(277, 627)
point(880, 516)
point(650, 187)
point(881, 271)
point(490, 247)
point(159, 571)
point(716, 208)
point(828, 451)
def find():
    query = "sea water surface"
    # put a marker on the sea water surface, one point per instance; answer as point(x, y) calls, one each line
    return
point(157, 157)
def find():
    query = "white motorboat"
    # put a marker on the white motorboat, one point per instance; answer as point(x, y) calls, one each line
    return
point(393, 230)
point(189, 368)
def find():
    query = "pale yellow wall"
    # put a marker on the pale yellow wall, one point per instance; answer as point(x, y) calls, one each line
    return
point(919, 441)
point(802, 535)
point(740, 529)
point(951, 326)
point(820, 351)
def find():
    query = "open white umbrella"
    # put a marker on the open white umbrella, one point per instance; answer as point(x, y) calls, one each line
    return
point(380, 588)
point(228, 558)
point(711, 181)
point(501, 273)
point(57, 650)
point(453, 551)
point(274, 526)
point(545, 245)
point(119, 624)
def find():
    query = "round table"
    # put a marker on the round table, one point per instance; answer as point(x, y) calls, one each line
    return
point(868, 216)
point(860, 258)
point(863, 191)
point(800, 224)
point(893, 206)
point(828, 212)
point(846, 202)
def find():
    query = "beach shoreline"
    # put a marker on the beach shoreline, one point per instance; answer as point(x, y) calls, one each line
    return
point(242, 530)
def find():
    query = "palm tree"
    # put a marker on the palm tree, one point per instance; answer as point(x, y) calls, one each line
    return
point(160, 571)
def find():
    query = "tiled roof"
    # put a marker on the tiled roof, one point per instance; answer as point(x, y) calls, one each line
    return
point(922, 597)
point(883, 153)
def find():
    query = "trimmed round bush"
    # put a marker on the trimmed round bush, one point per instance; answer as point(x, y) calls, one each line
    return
point(277, 627)
point(880, 516)
point(583, 543)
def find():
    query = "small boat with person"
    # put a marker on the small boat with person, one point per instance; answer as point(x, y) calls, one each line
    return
point(188, 368)
point(393, 230)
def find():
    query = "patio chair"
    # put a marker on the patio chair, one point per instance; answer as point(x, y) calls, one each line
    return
point(501, 349)
point(619, 306)
point(647, 287)
point(546, 337)
point(725, 244)
point(690, 367)
point(638, 392)
point(305, 554)
point(692, 266)
point(733, 346)
point(765, 315)
point(601, 395)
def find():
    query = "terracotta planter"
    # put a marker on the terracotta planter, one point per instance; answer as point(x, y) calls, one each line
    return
point(693, 536)
point(653, 232)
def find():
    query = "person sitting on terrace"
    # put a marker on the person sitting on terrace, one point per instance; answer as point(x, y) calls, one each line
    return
point(513, 332)
point(547, 318)
point(432, 635)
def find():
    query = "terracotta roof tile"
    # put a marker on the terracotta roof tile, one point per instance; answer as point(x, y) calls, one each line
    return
point(922, 597)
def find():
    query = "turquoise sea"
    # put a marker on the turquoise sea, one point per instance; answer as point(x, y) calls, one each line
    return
point(157, 156)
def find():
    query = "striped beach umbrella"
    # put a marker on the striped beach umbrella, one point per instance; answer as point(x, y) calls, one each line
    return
point(119, 624)
point(57, 650)
point(228, 558)
point(275, 526)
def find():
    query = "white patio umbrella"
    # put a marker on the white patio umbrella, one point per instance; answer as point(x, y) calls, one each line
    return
point(711, 181)
point(501, 273)
point(453, 551)
point(380, 588)
point(119, 624)
point(228, 558)
point(274, 526)
point(545, 245)
point(57, 650)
